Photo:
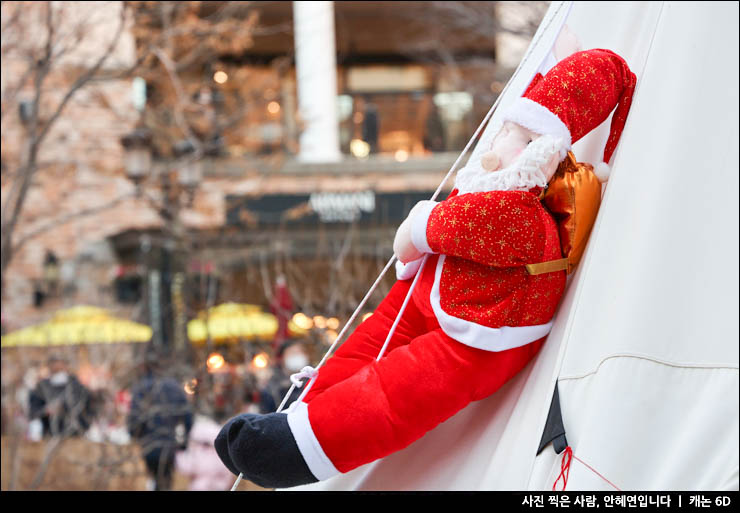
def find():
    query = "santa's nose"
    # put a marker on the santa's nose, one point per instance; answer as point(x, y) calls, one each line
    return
point(490, 161)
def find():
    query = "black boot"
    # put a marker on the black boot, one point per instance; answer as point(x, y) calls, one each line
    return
point(262, 448)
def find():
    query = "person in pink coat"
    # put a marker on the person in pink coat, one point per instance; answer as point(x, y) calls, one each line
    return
point(200, 462)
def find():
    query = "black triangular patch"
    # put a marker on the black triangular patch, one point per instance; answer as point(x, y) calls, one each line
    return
point(554, 429)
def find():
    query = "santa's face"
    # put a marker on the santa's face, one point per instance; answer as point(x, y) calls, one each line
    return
point(508, 144)
point(519, 159)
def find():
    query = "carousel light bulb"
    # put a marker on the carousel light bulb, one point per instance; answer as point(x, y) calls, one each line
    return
point(320, 321)
point(215, 361)
point(332, 323)
point(260, 361)
point(303, 321)
point(366, 316)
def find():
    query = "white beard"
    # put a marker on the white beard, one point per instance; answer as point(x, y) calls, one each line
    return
point(523, 174)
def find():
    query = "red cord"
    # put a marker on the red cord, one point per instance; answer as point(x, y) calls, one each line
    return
point(595, 472)
point(564, 468)
point(568, 457)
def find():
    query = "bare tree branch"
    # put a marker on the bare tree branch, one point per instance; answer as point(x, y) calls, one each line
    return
point(82, 80)
point(22, 239)
point(52, 448)
point(169, 66)
point(16, 198)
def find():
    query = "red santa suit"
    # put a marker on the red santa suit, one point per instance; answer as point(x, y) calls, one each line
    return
point(477, 317)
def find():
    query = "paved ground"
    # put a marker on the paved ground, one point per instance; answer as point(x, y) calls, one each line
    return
point(77, 464)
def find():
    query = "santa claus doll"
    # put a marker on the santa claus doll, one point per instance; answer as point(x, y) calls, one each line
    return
point(476, 316)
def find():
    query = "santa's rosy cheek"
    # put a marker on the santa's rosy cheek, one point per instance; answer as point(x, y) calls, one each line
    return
point(513, 154)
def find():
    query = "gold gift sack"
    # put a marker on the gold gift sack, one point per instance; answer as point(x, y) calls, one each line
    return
point(573, 197)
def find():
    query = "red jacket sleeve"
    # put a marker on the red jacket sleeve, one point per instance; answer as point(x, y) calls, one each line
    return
point(500, 228)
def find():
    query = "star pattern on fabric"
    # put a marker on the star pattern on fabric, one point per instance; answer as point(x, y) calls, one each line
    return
point(483, 278)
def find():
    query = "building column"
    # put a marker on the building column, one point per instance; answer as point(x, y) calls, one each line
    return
point(316, 76)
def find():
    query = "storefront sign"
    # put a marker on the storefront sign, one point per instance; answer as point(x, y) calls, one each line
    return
point(335, 207)
point(364, 207)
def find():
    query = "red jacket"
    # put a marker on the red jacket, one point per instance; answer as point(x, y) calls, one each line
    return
point(478, 286)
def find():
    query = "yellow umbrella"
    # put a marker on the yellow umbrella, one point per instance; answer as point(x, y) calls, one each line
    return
point(232, 321)
point(79, 325)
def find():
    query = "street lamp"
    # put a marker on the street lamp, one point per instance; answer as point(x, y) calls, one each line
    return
point(25, 111)
point(51, 273)
point(137, 147)
point(189, 168)
point(166, 269)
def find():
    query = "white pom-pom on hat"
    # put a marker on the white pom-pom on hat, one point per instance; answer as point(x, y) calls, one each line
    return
point(602, 170)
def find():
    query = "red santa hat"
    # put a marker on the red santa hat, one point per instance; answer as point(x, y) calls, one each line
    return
point(575, 97)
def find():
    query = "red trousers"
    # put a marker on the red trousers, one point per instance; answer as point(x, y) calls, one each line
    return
point(361, 410)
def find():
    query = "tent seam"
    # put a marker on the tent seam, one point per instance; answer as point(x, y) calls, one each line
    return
point(654, 360)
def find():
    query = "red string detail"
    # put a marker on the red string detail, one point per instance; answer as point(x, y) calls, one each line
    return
point(564, 468)
point(568, 457)
point(595, 472)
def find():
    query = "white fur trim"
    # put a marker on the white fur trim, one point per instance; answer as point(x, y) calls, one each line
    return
point(419, 227)
point(407, 270)
point(318, 462)
point(479, 336)
point(602, 170)
point(537, 118)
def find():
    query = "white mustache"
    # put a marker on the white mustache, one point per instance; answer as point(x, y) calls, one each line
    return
point(521, 175)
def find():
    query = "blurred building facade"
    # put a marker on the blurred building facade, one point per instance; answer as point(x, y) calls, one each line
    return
point(413, 80)
point(63, 258)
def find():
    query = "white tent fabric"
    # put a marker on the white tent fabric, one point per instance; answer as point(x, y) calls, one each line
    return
point(645, 344)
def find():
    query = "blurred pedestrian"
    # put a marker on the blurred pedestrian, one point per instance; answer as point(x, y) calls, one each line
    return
point(371, 126)
point(160, 420)
point(292, 357)
point(434, 131)
point(249, 392)
point(282, 307)
point(60, 402)
point(200, 462)
point(33, 428)
point(224, 394)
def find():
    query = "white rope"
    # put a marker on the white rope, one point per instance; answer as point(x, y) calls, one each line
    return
point(393, 258)
point(306, 372)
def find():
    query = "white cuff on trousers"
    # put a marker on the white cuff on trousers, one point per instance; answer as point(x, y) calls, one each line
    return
point(318, 462)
